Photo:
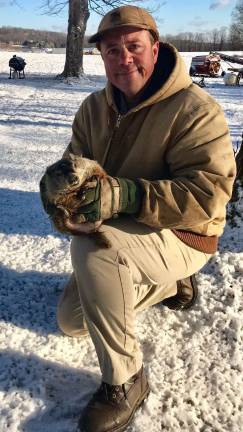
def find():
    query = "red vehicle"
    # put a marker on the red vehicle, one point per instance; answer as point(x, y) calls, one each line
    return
point(205, 65)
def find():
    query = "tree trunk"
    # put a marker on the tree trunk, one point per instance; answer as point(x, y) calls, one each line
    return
point(239, 176)
point(77, 21)
point(239, 162)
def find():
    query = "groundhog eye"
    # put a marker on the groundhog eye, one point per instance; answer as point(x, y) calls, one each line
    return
point(62, 165)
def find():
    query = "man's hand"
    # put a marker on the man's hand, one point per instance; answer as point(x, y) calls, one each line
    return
point(81, 228)
point(107, 197)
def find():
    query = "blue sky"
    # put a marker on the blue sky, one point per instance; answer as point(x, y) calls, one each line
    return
point(174, 16)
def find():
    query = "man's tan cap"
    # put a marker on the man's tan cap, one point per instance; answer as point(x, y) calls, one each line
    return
point(125, 16)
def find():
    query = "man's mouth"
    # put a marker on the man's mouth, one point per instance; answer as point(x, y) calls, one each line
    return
point(128, 72)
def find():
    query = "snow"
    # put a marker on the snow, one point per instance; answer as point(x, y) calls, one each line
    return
point(193, 359)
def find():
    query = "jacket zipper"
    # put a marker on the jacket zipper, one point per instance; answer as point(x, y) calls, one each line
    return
point(118, 121)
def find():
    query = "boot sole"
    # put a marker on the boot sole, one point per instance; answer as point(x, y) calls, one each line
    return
point(141, 400)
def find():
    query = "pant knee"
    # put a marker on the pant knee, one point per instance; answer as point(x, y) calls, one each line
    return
point(92, 265)
point(70, 318)
point(63, 321)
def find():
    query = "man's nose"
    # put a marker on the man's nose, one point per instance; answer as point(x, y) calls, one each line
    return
point(125, 56)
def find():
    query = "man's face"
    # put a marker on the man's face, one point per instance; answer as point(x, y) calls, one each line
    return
point(129, 56)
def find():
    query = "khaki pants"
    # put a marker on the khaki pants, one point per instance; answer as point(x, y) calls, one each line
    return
point(110, 285)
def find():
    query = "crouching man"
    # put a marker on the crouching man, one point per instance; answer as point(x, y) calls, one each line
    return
point(165, 144)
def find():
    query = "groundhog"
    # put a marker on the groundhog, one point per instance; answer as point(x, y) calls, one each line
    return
point(62, 190)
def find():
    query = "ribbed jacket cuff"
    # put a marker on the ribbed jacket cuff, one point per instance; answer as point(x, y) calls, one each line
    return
point(130, 196)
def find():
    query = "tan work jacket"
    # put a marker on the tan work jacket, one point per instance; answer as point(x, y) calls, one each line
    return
point(176, 142)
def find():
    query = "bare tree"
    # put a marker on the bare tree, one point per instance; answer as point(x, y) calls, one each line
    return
point(236, 28)
point(77, 21)
point(79, 12)
point(237, 16)
point(222, 38)
point(215, 39)
point(234, 209)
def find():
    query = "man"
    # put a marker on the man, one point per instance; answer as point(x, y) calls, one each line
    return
point(165, 146)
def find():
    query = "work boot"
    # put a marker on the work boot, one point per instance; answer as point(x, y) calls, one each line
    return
point(112, 407)
point(187, 292)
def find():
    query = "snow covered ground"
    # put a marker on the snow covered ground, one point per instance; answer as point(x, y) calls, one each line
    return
point(193, 360)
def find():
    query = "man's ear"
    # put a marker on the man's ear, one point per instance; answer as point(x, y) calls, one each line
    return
point(155, 49)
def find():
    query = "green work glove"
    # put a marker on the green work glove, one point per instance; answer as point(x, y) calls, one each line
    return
point(109, 196)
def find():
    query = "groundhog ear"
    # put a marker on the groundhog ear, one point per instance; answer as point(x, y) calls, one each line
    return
point(72, 156)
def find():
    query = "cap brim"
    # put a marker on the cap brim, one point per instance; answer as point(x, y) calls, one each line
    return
point(94, 38)
point(98, 36)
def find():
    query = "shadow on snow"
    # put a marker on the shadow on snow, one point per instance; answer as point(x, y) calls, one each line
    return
point(29, 299)
point(22, 213)
point(62, 391)
point(48, 81)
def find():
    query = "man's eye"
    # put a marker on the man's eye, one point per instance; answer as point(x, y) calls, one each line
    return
point(135, 48)
point(113, 51)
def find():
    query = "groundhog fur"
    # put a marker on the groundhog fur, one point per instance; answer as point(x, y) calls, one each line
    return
point(62, 190)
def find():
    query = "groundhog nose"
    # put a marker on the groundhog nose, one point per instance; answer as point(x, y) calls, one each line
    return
point(72, 179)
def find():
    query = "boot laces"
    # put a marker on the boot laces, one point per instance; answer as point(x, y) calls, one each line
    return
point(114, 393)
